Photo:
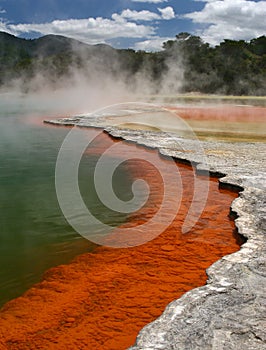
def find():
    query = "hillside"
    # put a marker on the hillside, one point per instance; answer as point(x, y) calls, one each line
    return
point(52, 55)
point(186, 64)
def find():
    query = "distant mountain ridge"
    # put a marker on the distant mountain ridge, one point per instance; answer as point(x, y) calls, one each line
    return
point(47, 45)
point(185, 64)
point(53, 53)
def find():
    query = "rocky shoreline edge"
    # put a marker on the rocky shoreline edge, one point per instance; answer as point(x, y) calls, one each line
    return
point(229, 311)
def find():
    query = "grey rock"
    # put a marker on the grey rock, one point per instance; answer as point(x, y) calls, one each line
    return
point(229, 312)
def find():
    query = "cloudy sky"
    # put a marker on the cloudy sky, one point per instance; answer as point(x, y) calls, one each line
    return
point(139, 24)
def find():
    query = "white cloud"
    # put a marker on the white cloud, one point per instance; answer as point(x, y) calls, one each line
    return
point(2, 26)
point(89, 30)
point(151, 1)
point(99, 30)
point(227, 19)
point(136, 15)
point(2, 11)
point(153, 44)
point(144, 15)
point(167, 13)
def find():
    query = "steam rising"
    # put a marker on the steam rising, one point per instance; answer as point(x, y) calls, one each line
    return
point(91, 77)
point(81, 78)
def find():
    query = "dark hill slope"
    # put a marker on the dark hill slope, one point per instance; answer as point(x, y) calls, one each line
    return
point(232, 67)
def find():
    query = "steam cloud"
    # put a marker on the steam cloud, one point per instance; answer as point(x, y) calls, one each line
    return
point(95, 79)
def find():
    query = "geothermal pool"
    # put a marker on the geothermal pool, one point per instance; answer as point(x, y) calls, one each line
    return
point(34, 234)
point(103, 298)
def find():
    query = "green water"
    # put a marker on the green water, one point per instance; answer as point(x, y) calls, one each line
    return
point(33, 232)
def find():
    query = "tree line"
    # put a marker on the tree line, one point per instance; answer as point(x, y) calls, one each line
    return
point(234, 67)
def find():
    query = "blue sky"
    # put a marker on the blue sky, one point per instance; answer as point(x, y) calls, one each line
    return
point(138, 24)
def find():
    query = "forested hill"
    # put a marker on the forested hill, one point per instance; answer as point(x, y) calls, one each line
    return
point(52, 55)
point(232, 67)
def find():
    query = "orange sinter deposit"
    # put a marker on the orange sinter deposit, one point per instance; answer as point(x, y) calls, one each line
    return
point(101, 300)
point(224, 113)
